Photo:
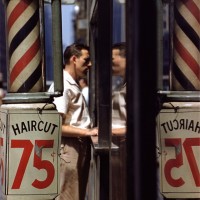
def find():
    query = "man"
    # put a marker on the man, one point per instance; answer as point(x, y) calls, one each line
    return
point(119, 117)
point(76, 128)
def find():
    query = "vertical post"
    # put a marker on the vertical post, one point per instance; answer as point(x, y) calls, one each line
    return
point(57, 44)
point(141, 102)
point(104, 57)
point(25, 59)
point(104, 85)
point(186, 68)
point(159, 45)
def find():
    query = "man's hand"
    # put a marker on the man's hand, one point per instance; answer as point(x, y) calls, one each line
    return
point(92, 132)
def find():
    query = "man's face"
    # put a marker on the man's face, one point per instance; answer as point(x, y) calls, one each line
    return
point(83, 64)
point(118, 63)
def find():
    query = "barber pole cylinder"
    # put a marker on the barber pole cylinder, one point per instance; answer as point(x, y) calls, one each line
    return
point(25, 59)
point(178, 122)
point(30, 125)
point(185, 75)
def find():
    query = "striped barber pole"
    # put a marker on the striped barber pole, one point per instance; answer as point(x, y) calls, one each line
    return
point(185, 74)
point(23, 25)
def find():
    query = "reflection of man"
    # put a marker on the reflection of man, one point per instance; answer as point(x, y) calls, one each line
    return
point(119, 123)
point(119, 95)
point(76, 128)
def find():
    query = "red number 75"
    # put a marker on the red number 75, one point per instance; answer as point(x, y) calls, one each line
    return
point(178, 160)
point(37, 163)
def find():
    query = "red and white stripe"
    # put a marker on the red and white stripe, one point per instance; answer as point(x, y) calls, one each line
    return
point(186, 66)
point(23, 27)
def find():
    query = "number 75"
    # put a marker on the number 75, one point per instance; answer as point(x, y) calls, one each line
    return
point(178, 160)
point(37, 162)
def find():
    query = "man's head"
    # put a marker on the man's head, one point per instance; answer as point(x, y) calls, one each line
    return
point(119, 59)
point(77, 60)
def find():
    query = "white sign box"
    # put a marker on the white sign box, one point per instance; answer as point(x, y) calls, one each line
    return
point(179, 143)
point(30, 146)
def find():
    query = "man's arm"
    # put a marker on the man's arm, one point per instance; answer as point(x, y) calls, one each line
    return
point(71, 131)
point(119, 131)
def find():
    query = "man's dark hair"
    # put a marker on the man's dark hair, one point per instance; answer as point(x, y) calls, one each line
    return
point(73, 50)
point(121, 46)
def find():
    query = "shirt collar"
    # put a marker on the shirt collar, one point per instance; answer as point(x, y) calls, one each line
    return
point(69, 78)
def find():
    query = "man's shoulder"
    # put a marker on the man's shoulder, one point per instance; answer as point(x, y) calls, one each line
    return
point(68, 79)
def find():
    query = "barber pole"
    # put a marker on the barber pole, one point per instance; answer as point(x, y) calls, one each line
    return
point(30, 145)
point(30, 126)
point(179, 129)
point(178, 122)
point(186, 43)
point(25, 57)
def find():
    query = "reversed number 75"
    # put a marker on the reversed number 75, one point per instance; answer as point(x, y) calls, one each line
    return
point(178, 160)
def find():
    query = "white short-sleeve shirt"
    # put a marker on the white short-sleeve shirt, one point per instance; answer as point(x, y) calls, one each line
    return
point(72, 103)
point(119, 115)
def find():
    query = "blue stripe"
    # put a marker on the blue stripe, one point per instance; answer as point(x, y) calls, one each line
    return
point(32, 80)
point(182, 79)
point(23, 32)
point(187, 29)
